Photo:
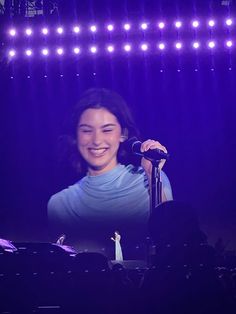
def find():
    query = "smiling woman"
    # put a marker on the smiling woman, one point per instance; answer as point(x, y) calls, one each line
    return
point(114, 194)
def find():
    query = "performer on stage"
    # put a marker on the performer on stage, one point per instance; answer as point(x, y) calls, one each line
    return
point(118, 250)
point(114, 193)
point(61, 239)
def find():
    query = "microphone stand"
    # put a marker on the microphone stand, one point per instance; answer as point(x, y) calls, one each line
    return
point(156, 185)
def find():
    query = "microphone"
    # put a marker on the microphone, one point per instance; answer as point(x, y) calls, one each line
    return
point(153, 154)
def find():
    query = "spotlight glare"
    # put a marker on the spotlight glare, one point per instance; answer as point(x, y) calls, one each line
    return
point(195, 23)
point(110, 48)
point(110, 27)
point(127, 26)
point(12, 32)
point(196, 45)
point(178, 45)
point(44, 31)
point(60, 51)
point(211, 44)
point(229, 22)
point(76, 50)
point(93, 28)
point(45, 51)
point(93, 49)
point(12, 53)
point(28, 52)
point(161, 25)
point(161, 46)
point(144, 26)
point(144, 47)
point(28, 31)
point(127, 47)
point(60, 30)
point(76, 29)
point(229, 43)
point(211, 23)
point(178, 24)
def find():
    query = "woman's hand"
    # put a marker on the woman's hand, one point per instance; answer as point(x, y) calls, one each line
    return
point(146, 164)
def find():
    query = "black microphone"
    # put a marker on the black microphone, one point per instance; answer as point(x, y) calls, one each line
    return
point(154, 154)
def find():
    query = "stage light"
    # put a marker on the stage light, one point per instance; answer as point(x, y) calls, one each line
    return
point(127, 47)
point(12, 53)
point(196, 45)
point(161, 46)
point(161, 25)
point(76, 50)
point(12, 32)
point(110, 48)
point(178, 45)
point(28, 52)
point(45, 51)
point(211, 23)
point(229, 22)
point(195, 23)
point(144, 26)
point(211, 44)
point(144, 47)
point(60, 30)
point(76, 29)
point(178, 24)
point(60, 51)
point(45, 31)
point(229, 43)
point(28, 31)
point(93, 28)
point(127, 26)
point(110, 27)
point(93, 49)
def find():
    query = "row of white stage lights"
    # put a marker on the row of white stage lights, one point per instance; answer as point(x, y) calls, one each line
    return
point(111, 48)
point(76, 29)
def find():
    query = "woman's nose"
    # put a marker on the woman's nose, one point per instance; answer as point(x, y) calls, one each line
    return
point(97, 138)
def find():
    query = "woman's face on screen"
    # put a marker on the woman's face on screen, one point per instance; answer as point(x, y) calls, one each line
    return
point(98, 139)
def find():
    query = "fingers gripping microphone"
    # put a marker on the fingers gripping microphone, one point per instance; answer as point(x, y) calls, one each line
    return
point(153, 154)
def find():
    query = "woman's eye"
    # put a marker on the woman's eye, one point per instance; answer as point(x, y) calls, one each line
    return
point(86, 131)
point(107, 130)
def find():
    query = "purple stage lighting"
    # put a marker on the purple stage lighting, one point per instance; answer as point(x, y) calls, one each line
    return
point(195, 23)
point(110, 27)
point(229, 43)
point(178, 45)
point(44, 31)
point(127, 26)
point(60, 30)
point(196, 45)
point(93, 28)
point(28, 31)
point(211, 44)
point(178, 24)
point(144, 26)
point(127, 47)
point(110, 48)
point(229, 22)
point(93, 49)
point(211, 23)
point(12, 53)
point(28, 52)
point(144, 47)
point(60, 51)
point(76, 50)
point(161, 46)
point(12, 32)
point(76, 29)
point(161, 25)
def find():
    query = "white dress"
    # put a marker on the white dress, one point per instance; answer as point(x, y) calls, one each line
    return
point(118, 250)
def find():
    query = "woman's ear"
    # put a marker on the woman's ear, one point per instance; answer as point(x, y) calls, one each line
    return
point(124, 135)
